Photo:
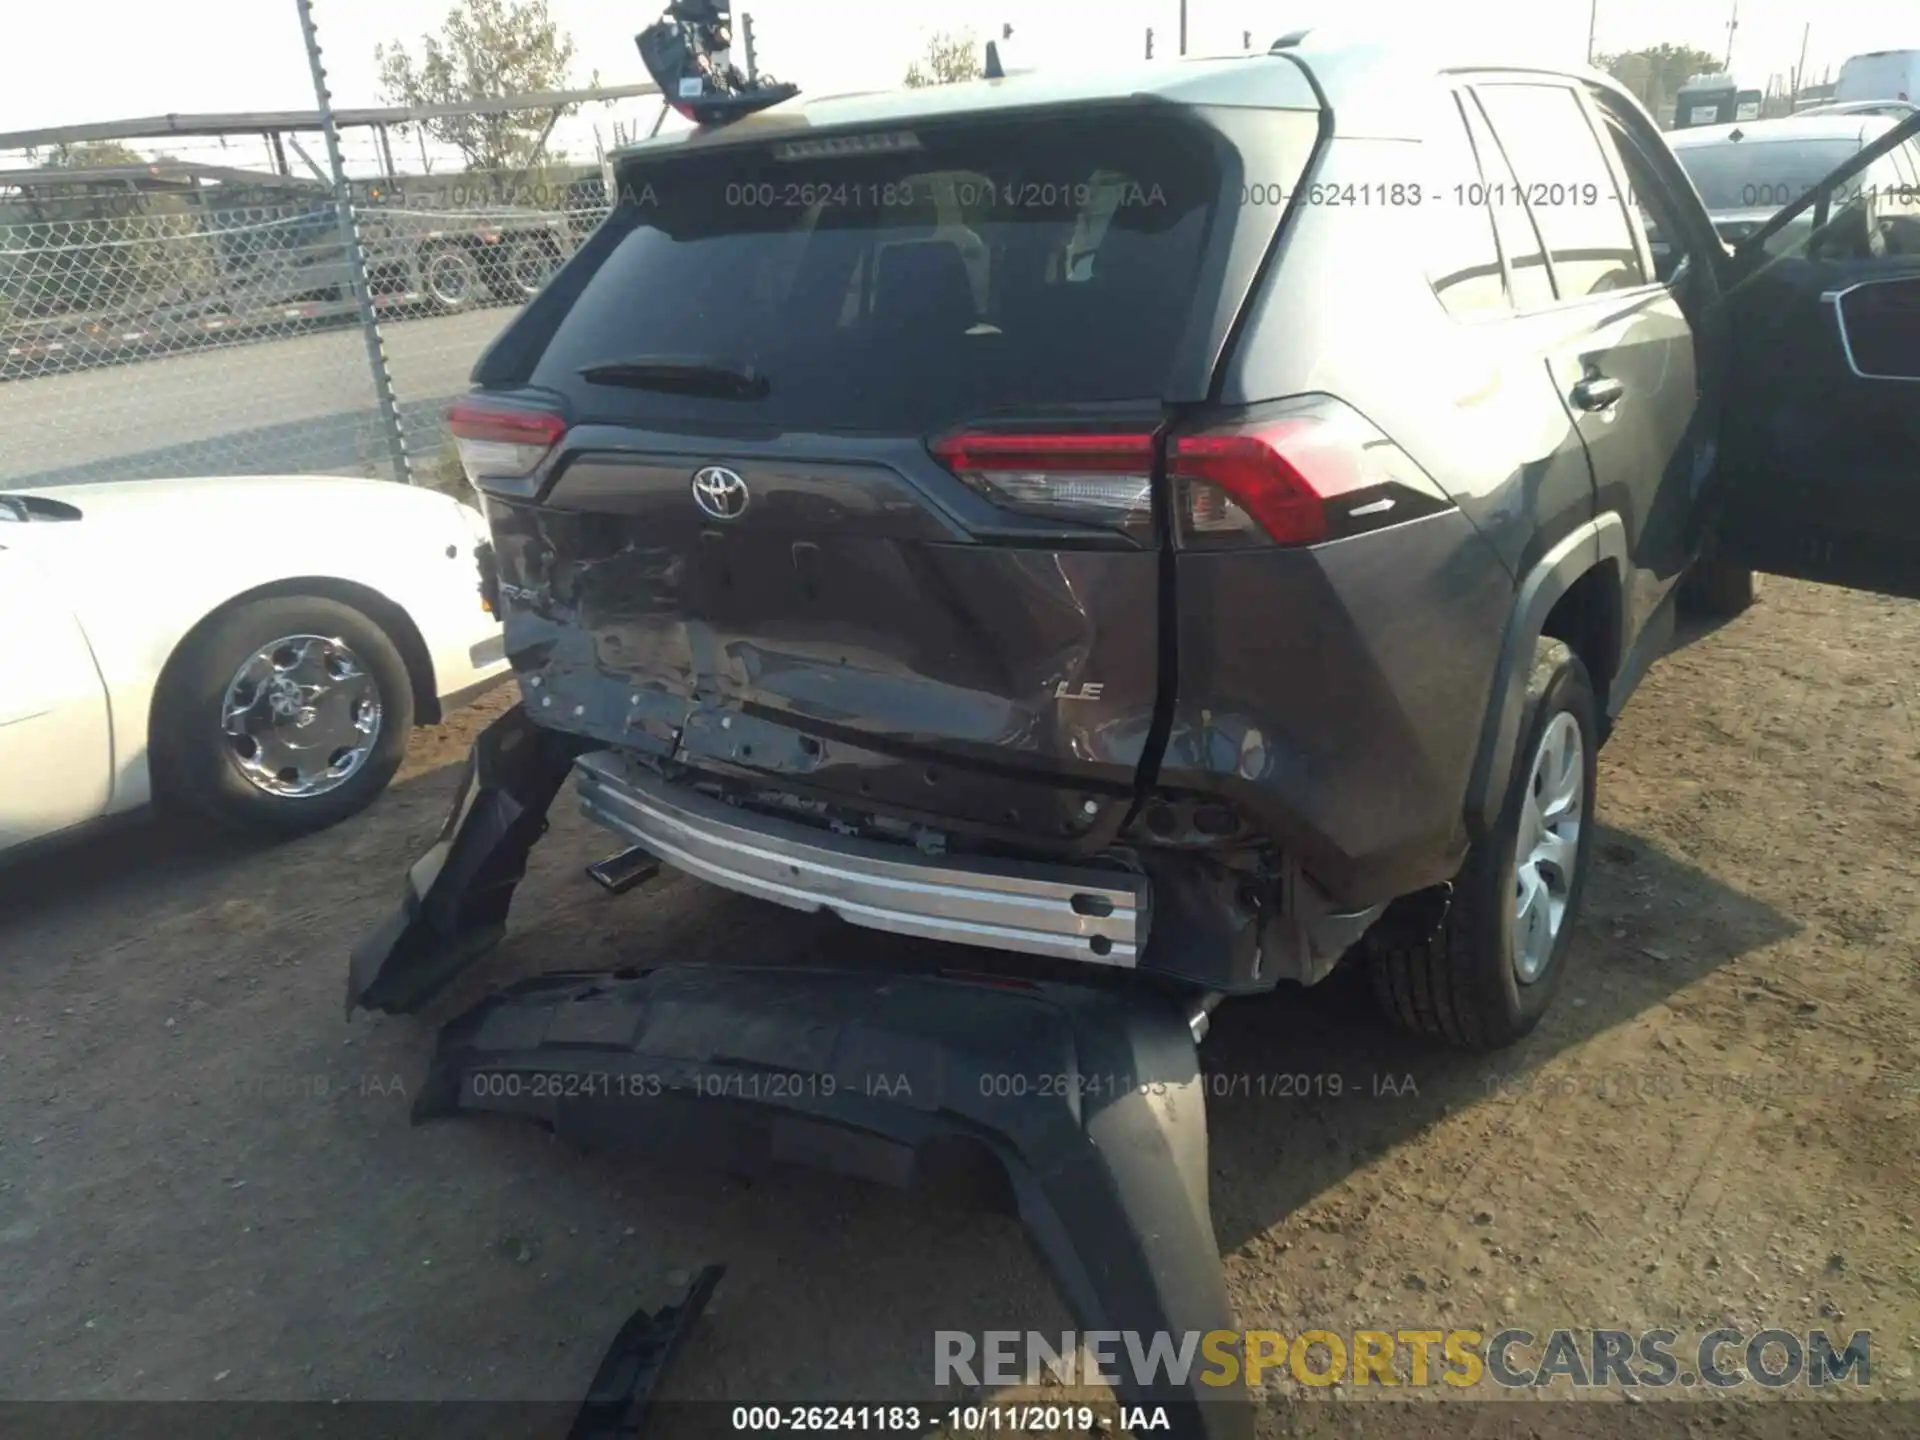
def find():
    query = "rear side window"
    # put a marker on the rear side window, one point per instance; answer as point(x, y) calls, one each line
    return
point(997, 265)
point(1457, 239)
point(1519, 241)
point(1568, 185)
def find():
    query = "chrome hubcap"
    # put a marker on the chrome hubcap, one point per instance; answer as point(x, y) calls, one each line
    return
point(301, 716)
point(1551, 815)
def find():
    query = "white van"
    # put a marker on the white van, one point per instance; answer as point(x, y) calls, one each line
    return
point(1879, 75)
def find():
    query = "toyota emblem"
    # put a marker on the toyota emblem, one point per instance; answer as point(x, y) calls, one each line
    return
point(720, 492)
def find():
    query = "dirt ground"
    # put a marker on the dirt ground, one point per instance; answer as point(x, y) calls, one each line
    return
point(209, 1187)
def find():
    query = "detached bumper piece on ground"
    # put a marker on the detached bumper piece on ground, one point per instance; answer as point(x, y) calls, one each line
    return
point(455, 906)
point(1078, 1109)
point(617, 1402)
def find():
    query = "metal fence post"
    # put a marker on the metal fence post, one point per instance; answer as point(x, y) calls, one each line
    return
point(356, 257)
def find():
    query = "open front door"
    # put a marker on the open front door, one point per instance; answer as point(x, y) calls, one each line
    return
point(1820, 460)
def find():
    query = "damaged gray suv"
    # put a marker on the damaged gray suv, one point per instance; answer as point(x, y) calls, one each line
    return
point(1176, 530)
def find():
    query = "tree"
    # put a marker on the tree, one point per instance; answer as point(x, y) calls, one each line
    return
point(1656, 73)
point(485, 49)
point(92, 153)
point(949, 60)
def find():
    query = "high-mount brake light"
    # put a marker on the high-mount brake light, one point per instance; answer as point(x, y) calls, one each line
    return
point(499, 440)
point(1097, 478)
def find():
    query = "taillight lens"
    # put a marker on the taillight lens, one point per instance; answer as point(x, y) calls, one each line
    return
point(1306, 473)
point(499, 440)
point(1103, 478)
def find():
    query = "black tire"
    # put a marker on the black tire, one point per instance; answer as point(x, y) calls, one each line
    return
point(1716, 590)
point(1457, 983)
point(197, 768)
point(451, 278)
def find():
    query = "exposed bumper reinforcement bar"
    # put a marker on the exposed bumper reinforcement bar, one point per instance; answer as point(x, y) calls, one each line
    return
point(1080, 1110)
point(1070, 913)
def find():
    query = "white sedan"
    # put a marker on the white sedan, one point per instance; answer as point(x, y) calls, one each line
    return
point(255, 649)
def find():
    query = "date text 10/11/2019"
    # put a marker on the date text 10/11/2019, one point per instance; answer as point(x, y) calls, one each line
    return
point(774, 1086)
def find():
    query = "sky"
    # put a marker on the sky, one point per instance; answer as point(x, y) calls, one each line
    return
point(114, 59)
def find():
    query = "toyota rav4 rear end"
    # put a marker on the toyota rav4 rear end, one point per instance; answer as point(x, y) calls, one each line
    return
point(861, 494)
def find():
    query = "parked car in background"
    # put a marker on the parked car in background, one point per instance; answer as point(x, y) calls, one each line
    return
point(254, 649)
point(1746, 172)
point(1898, 109)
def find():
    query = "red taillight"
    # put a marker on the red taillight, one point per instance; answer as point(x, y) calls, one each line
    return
point(1100, 478)
point(498, 440)
point(1277, 475)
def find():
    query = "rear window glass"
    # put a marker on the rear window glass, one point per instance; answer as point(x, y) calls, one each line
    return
point(996, 266)
point(1761, 174)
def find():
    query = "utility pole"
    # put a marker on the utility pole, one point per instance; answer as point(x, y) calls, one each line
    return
point(1733, 24)
point(746, 42)
point(1183, 27)
point(1800, 65)
point(1246, 39)
point(1593, 26)
point(1149, 42)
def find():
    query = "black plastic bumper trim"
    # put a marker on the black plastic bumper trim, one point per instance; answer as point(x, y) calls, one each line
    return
point(1080, 1110)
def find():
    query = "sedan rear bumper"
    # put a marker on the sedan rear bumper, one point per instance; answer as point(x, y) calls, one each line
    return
point(1067, 912)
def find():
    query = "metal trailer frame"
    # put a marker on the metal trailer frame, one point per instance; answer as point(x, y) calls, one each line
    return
point(278, 127)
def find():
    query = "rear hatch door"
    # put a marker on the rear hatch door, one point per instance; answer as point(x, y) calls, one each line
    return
point(857, 479)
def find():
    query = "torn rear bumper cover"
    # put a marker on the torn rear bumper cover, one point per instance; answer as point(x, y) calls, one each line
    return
point(1079, 1110)
point(454, 907)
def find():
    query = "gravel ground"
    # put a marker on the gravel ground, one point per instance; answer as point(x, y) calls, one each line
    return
point(209, 1187)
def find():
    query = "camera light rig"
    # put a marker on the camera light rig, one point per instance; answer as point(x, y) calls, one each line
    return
point(686, 52)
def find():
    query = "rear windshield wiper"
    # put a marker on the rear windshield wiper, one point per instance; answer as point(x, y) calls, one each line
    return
point(719, 379)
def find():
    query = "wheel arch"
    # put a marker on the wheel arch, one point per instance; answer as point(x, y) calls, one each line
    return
point(1576, 593)
point(391, 617)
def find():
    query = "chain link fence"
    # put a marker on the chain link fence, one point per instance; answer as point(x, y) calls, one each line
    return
point(180, 317)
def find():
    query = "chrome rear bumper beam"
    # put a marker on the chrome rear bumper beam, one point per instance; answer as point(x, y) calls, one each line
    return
point(1067, 912)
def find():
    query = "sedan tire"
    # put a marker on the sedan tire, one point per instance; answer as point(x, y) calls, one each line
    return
point(283, 715)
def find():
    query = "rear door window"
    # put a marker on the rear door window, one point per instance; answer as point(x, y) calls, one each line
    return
point(1568, 185)
point(993, 266)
